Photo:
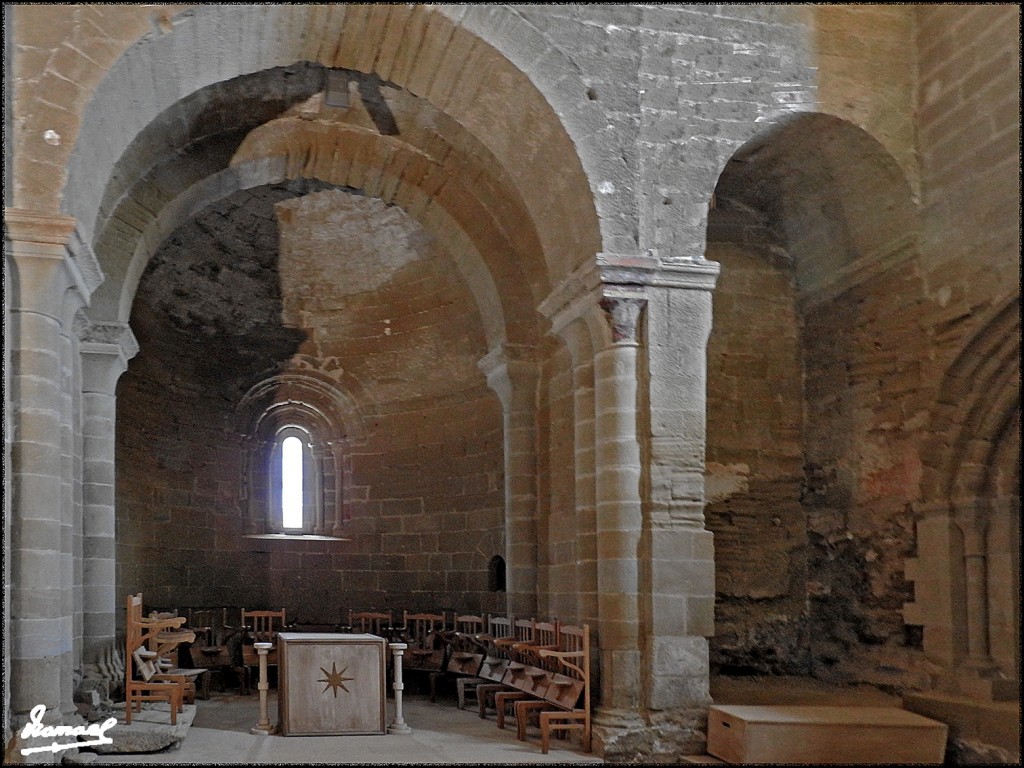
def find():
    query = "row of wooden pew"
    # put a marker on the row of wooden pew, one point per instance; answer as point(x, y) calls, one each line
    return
point(519, 665)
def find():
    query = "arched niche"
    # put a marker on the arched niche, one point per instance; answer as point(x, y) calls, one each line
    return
point(812, 221)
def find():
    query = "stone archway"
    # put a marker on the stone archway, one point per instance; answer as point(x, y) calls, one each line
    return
point(967, 570)
point(113, 213)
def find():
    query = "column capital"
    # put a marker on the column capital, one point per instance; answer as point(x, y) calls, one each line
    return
point(617, 274)
point(622, 314)
point(34, 238)
point(510, 368)
point(110, 338)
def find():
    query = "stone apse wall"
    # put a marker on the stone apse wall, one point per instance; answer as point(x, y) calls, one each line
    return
point(367, 300)
point(491, 239)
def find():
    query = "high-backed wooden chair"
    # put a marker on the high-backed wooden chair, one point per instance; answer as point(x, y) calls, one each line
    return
point(528, 675)
point(218, 643)
point(143, 679)
point(521, 631)
point(427, 652)
point(210, 651)
point(570, 693)
point(495, 659)
point(261, 627)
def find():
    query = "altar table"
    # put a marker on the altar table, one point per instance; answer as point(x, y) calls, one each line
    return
point(331, 684)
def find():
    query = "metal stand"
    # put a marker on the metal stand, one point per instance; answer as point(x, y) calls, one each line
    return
point(263, 727)
point(398, 726)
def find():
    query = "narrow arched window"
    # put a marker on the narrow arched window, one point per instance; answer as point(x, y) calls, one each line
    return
point(291, 483)
point(293, 496)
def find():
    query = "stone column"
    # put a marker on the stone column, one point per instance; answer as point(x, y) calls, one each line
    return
point(577, 339)
point(319, 453)
point(680, 590)
point(255, 485)
point(105, 350)
point(972, 524)
point(513, 376)
point(619, 512)
point(49, 284)
point(337, 460)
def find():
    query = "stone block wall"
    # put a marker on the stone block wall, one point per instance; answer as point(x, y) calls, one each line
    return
point(969, 134)
point(368, 306)
point(421, 537)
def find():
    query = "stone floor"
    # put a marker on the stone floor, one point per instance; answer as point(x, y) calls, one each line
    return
point(441, 733)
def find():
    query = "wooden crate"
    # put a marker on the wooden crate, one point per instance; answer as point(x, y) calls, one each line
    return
point(824, 735)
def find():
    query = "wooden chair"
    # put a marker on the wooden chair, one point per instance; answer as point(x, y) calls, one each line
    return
point(495, 662)
point(466, 653)
point(378, 623)
point(567, 692)
point(261, 627)
point(520, 631)
point(427, 652)
point(218, 644)
point(528, 674)
point(143, 661)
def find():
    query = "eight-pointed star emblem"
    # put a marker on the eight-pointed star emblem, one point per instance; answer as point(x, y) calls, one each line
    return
point(334, 679)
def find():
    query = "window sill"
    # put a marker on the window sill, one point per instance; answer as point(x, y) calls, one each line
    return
point(293, 537)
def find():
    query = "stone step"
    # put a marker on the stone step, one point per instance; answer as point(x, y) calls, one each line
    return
point(149, 731)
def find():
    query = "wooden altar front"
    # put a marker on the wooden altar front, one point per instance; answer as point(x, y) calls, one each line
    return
point(331, 684)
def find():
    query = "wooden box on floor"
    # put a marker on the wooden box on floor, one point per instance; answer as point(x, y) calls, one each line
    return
point(331, 684)
point(824, 735)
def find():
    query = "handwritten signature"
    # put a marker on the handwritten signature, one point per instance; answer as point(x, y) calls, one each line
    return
point(35, 729)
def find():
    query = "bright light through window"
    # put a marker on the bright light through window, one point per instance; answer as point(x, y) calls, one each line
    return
point(291, 483)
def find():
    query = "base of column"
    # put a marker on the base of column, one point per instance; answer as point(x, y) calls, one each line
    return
point(261, 731)
point(652, 736)
point(403, 728)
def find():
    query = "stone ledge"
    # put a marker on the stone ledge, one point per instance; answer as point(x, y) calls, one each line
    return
point(149, 731)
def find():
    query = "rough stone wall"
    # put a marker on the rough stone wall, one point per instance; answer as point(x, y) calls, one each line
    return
point(864, 422)
point(755, 463)
point(866, 55)
point(969, 141)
